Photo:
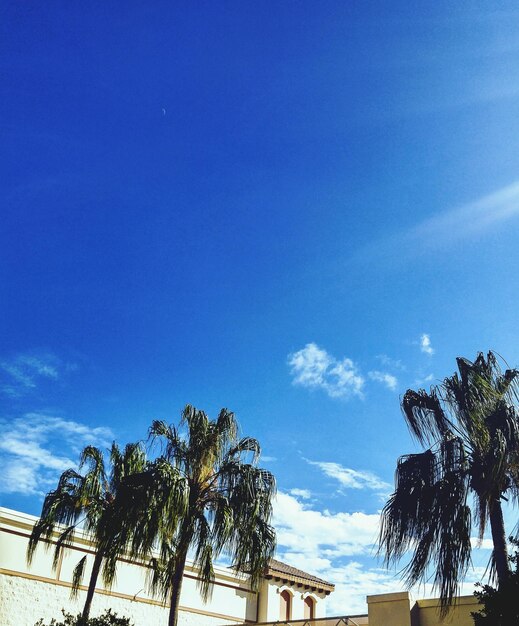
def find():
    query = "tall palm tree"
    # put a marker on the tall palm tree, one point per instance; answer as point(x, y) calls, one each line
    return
point(210, 498)
point(93, 501)
point(470, 426)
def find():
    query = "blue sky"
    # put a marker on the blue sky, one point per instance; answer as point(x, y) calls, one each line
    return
point(294, 210)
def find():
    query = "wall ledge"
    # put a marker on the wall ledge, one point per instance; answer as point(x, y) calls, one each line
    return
point(398, 596)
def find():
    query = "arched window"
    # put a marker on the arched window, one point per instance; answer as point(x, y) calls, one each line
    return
point(285, 605)
point(309, 607)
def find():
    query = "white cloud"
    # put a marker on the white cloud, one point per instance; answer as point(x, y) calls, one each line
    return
point(315, 368)
point(425, 344)
point(389, 362)
point(385, 378)
point(36, 448)
point(329, 545)
point(22, 373)
point(350, 478)
point(305, 494)
point(484, 544)
point(354, 581)
point(322, 534)
point(340, 548)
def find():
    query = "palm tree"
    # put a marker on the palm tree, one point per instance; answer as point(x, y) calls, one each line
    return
point(470, 426)
point(93, 501)
point(210, 500)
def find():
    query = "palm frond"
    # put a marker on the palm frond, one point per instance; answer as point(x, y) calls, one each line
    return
point(159, 577)
point(108, 508)
point(408, 513)
point(66, 535)
point(425, 416)
point(247, 444)
point(470, 424)
point(214, 502)
point(203, 556)
point(227, 429)
point(77, 576)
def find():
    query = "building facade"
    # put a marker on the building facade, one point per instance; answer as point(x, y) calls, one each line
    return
point(28, 593)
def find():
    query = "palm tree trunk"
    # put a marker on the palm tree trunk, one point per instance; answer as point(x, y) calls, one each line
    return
point(178, 574)
point(92, 585)
point(500, 553)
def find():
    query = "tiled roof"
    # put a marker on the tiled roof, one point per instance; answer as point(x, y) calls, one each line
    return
point(278, 569)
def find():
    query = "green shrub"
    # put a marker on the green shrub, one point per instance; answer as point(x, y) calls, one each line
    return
point(500, 606)
point(106, 619)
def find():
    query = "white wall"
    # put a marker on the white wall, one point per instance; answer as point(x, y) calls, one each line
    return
point(29, 593)
point(270, 601)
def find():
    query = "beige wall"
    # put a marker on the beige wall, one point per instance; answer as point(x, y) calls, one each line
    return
point(398, 609)
point(458, 616)
point(389, 609)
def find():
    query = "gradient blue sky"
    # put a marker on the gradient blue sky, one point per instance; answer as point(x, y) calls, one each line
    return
point(296, 210)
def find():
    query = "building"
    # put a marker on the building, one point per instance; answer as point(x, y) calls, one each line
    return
point(285, 593)
point(30, 593)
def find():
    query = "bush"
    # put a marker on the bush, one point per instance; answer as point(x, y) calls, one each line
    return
point(106, 619)
point(500, 606)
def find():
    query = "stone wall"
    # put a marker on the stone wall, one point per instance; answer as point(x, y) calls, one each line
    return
point(23, 601)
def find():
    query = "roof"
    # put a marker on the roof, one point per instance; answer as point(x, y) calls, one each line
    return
point(283, 571)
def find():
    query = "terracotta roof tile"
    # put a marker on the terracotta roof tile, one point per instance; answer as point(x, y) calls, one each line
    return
point(278, 568)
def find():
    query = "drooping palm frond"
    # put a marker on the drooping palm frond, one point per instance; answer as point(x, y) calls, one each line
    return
point(425, 416)
point(61, 508)
point(96, 502)
point(408, 512)
point(428, 514)
point(77, 576)
point(174, 447)
point(131, 461)
point(159, 576)
point(95, 480)
point(247, 444)
point(470, 425)
point(67, 536)
point(453, 547)
point(219, 502)
point(203, 546)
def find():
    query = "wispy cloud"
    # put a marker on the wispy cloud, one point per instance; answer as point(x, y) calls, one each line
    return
point(423, 380)
point(314, 368)
point(22, 373)
point(391, 363)
point(352, 479)
point(470, 220)
point(425, 344)
point(385, 378)
point(36, 447)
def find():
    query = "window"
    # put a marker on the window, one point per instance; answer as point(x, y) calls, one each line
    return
point(309, 608)
point(285, 601)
